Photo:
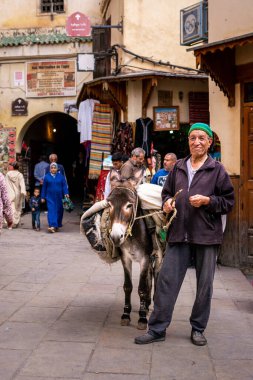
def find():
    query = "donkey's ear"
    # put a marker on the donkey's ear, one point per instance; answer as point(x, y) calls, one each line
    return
point(115, 179)
point(115, 175)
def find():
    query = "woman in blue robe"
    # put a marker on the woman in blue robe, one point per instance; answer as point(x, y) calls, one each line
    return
point(54, 189)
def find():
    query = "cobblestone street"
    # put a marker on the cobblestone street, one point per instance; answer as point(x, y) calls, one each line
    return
point(60, 309)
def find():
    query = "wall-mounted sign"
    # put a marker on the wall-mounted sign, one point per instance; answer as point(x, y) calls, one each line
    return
point(193, 24)
point(19, 107)
point(78, 25)
point(50, 78)
point(19, 79)
point(85, 62)
point(166, 118)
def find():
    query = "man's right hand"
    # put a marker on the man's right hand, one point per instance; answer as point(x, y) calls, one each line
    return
point(167, 207)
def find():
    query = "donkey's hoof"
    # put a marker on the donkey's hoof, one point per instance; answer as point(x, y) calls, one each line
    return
point(142, 324)
point(125, 322)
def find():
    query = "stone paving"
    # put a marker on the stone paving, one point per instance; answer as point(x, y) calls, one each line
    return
point(60, 309)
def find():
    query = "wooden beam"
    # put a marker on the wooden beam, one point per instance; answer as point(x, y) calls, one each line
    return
point(147, 89)
point(117, 92)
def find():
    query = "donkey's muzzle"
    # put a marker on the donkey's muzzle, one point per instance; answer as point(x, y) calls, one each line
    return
point(118, 234)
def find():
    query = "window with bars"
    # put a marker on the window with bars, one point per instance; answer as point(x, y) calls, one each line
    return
point(49, 6)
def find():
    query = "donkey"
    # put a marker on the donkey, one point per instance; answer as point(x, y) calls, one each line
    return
point(135, 243)
point(121, 233)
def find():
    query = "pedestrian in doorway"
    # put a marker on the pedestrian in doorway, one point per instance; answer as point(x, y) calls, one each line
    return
point(5, 204)
point(40, 170)
point(207, 194)
point(17, 191)
point(35, 208)
point(54, 190)
point(54, 158)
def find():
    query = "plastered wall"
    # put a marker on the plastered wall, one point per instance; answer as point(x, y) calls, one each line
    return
point(153, 30)
point(225, 121)
point(229, 18)
point(174, 85)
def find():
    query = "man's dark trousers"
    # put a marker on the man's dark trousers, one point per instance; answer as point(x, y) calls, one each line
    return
point(175, 264)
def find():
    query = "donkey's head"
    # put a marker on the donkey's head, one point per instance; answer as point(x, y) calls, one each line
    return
point(123, 202)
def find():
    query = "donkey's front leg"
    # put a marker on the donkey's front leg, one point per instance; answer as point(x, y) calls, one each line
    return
point(144, 291)
point(128, 287)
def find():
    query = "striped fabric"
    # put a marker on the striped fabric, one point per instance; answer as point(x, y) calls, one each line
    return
point(101, 138)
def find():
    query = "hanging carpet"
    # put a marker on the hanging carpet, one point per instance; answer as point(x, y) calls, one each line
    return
point(101, 138)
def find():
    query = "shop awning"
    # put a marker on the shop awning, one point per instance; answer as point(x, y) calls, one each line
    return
point(218, 60)
point(112, 89)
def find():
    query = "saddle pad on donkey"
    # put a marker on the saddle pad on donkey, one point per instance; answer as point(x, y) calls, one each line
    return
point(91, 228)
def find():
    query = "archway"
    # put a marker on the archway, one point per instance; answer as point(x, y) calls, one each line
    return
point(53, 132)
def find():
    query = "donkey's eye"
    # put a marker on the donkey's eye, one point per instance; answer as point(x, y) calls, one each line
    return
point(129, 205)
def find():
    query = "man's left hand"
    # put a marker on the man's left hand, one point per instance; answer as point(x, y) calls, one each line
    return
point(199, 200)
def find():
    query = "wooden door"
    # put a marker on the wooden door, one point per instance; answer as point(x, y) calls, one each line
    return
point(247, 187)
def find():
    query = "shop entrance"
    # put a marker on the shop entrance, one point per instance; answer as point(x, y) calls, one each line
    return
point(53, 132)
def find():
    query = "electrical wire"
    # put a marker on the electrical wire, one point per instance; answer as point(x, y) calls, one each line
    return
point(155, 62)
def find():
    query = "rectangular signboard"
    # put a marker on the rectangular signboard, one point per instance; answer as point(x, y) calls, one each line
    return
point(50, 78)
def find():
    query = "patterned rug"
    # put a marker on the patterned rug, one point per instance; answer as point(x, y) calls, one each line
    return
point(101, 138)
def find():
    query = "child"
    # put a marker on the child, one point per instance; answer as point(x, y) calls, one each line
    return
point(35, 207)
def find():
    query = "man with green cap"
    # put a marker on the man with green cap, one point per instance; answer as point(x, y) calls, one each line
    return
point(196, 232)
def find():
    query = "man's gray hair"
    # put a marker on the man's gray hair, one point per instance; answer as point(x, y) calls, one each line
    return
point(52, 155)
point(172, 155)
point(137, 151)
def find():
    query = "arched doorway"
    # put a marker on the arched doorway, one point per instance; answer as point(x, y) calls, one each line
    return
point(54, 132)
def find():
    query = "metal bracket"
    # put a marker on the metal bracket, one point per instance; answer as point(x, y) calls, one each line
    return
point(118, 26)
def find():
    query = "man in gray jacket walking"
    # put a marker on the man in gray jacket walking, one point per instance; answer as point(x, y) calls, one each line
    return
point(207, 194)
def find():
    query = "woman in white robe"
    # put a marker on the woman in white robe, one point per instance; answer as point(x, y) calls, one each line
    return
point(16, 191)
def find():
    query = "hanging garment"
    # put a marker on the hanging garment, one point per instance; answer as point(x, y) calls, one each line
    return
point(101, 140)
point(123, 139)
point(85, 115)
point(143, 134)
point(101, 185)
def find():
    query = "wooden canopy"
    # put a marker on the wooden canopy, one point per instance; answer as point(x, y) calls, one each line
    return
point(218, 60)
point(113, 89)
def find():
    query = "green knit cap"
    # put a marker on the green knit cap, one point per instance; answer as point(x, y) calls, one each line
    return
point(203, 127)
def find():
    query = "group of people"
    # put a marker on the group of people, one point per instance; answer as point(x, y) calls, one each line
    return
point(133, 170)
point(50, 187)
